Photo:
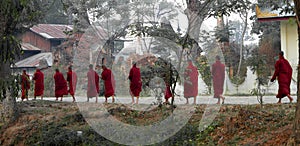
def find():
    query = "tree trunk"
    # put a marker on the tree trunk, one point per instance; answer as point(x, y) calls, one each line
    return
point(9, 110)
point(242, 43)
point(297, 114)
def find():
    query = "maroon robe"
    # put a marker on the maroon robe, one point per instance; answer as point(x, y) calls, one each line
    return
point(218, 75)
point(38, 78)
point(25, 85)
point(72, 79)
point(191, 81)
point(135, 81)
point(283, 72)
point(61, 87)
point(109, 82)
point(168, 92)
point(93, 83)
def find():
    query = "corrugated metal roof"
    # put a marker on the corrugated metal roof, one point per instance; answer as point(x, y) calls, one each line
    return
point(27, 46)
point(34, 61)
point(52, 31)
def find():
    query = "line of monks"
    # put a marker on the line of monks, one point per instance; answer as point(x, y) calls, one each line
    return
point(93, 86)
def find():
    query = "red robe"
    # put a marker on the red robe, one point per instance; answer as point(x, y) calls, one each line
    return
point(191, 81)
point(109, 82)
point(135, 81)
point(283, 72)
point(93, 84)
point(168, 93)
point(72, 79)
point(61, 87)
point(218, 75)
point(25, 85)
point(38, 77)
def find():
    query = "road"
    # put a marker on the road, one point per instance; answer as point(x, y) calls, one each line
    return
point(180, 100)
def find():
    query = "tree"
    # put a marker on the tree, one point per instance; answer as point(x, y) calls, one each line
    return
point(297, 115)
point(15, 16)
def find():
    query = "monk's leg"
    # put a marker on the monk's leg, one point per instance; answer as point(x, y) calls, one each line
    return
point(105, 99)
point(73, 98)
point(132, 99)
point(96, 99)
point(223, 98)
point(137, 100)
point(56, 98)
point(187, 100)
point(195, 100)
point(61, 98)
point(290, 98)
point(279, 101)
point(113, 99)
point(42, 97)
point(88, 99)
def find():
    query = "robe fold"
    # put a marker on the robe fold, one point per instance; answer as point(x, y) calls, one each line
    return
point(135, 81)
point(283, 72)
point(191, 81)
point(109, 82)
point(218, 75)
point(61, 87)
point(38, 78)
point(72, 80)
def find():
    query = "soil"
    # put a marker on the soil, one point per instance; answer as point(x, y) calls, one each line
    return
point(57, 123)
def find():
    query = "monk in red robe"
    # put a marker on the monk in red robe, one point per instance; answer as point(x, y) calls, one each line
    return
point(218, 75)
point(25, 85)
point(135, 83)
point(168, 94)
point(72, 80)
point(38, 78)
point(283, 73)
point(191, 82)
point(61, 87)
point(109, 83)
point(93, 84)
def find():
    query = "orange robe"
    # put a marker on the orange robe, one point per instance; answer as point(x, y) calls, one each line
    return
point(25, 85)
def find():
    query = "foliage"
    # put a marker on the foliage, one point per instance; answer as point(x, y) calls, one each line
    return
point(15, 15)
point(204, 70)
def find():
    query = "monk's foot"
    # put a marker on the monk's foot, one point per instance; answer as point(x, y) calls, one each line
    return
point(279, 102)
point(291, 99)
point(223, 99)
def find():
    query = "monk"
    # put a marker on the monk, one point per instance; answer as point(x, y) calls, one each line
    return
point(283, 73)
point(109, 83)
point(218, 75)
point(168, 94)
point(190, 82)
point(38, 78)
point(25, 85)
point(135, 83)
point(72, 80)
point(61, 87)
point(93, 84)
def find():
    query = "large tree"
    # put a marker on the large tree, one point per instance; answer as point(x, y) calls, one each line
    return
point(297, 116)
point(15, 15)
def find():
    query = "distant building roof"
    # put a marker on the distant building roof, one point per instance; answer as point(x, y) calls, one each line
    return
point(52, 31)
point(29, 47)
point(34, 61)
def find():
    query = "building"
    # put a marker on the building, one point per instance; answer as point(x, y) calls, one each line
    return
point(40, 44)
